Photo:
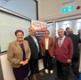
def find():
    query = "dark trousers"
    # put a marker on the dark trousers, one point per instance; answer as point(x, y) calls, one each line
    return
point(75, 65)
point(34, 66)
point(47, 59)
point(62, 70)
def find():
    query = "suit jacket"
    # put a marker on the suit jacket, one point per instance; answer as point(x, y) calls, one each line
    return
point(75, 40)
point(15, 53)
point(50, 46)
point(34, 50)
point(65, 51)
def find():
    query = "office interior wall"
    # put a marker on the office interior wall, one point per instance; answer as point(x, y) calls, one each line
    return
point(8, 24)
point(24, 7)
point(51, 9)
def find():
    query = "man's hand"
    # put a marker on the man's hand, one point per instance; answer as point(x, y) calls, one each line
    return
point(68, 60)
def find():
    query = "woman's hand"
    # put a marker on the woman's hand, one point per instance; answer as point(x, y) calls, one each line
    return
point(53, 56)
point(24, 62)
point(21, 62)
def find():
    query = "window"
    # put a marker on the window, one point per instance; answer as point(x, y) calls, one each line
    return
point(65, 24)
point(78, 26)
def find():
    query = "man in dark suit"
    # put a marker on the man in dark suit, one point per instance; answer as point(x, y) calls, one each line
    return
point(79, 34)
point(76, 54)
point(35, 51)
point(65, 32)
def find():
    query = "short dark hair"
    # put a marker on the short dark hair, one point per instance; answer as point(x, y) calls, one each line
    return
point(67, 28)
point(47, 31)
point(18, 31)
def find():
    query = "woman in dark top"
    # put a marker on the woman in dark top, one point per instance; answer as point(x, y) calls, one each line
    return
point(19, 55)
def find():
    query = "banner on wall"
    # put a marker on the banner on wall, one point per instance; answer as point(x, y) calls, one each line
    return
point(40, 28)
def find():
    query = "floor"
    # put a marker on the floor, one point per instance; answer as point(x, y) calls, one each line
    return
point(49, 76)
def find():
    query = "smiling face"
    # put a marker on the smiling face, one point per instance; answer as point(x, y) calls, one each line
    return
point(61, 33)
point(19, 36)
point(32, 31)
point(46, 33)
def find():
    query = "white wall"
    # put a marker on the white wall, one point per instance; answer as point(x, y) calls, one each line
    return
point(6, 68)
point(24, 7)
point(51, 9)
